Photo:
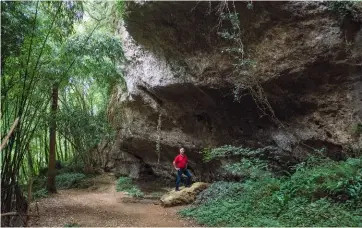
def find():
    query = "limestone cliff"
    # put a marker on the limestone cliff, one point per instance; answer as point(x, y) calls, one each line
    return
point(308, 60)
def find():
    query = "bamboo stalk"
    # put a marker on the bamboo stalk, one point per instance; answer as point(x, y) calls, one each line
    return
point(9, 134)
point(29, 199)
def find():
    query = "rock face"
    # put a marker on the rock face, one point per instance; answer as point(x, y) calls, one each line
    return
point(183, 89)
point(184, 196)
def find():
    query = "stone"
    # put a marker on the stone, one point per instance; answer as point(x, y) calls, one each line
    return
point(304, 62)
point(184, 196)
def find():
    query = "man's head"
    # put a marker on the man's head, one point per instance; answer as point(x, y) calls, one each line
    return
point(182, 151)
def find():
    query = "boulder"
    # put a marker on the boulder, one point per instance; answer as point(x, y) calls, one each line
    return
point(183, 89)
point(184, 196)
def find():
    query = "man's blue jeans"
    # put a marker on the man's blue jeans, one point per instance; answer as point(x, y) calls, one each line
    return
point(179, 176)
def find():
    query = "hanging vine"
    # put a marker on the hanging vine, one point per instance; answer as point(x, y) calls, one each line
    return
point(250, 83)
point(158, 140)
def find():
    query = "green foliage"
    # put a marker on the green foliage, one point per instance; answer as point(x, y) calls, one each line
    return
point(219, 190)
point(106, 13)
point(69, 180)
point(45, 46)
point(41, 193)
point(99, 45)
point(328, 179)
point(250, 5)
point(233, 34)
point(135, 192)
point(125, 184)
point(72, 225)
point(321, 192)
point(357, 129)
point(249, 206)
point(48, 44)
point(343, 8)
point(16, 23)
point(322, 213)
point(228, 151)
point(71, 166)
point(33, 32)
point(120, 7)
point(68, 177)
point(84, 129)
point(248, 168)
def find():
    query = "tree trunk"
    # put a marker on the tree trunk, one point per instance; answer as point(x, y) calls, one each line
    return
point(61, 149)
point(30, 183)
point(65, 149)
point(64, 139)
point(52, 142)
point(58, 149)
point(46, 151)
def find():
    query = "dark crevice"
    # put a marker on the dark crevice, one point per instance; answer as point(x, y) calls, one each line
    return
point(205, 119)
point(146, 169)
point(350, 28)
point(329, 135)
point(331, 150)
point(153, 96)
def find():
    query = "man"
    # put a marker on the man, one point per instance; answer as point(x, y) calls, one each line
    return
point(180, 164)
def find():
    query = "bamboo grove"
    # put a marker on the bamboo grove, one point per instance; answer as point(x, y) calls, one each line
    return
point(59, 63)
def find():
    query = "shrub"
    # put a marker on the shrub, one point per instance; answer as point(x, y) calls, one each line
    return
point(321, 192)
point(357, 129)
point(69, 180)
point(322, 212)
point(219, 190)
point(329, 178)
point(63, 181)
point(254, 206)
point(343, 8)
point(229, 151)
point(125, 184)
point(72, 167)
point(42, 193)
point(247, 168)
point(135, 192)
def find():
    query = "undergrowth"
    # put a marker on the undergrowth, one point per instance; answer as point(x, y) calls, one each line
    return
point(63, 180)
point(41, 193)
point(70, 175)
point(321, 192)
point(229, 151)
point(125, 184)
point(357, 129)
point(70, 180)
point(344, 8)
point(71, 225)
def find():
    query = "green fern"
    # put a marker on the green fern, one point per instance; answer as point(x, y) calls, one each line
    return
point(125, 184)
point(321, 192)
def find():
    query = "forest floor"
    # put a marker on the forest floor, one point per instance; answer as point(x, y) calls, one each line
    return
point(101, 206)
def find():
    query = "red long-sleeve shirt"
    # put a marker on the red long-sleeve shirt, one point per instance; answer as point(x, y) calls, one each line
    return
point(181, 161)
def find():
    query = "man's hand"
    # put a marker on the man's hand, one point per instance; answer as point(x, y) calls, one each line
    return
point(174, 165)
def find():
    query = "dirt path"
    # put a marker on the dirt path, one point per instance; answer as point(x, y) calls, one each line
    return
point(102, 206)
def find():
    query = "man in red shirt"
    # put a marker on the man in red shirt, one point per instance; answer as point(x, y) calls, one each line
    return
point(180, 164)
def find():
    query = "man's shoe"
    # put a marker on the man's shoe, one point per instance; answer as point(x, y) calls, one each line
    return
point(177, 189)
